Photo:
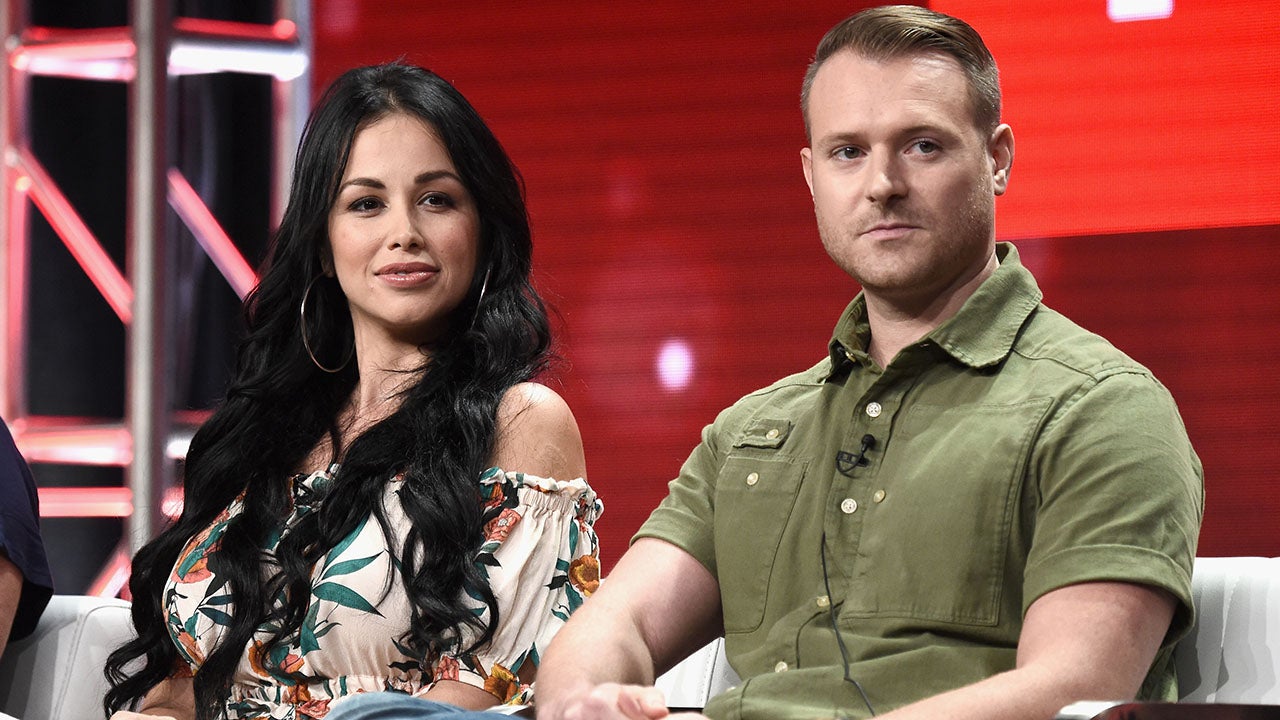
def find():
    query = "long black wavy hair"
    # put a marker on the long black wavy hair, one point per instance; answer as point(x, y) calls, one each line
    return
point(280, 406)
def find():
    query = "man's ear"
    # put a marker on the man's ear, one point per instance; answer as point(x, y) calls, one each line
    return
point(1000, 149)
point(806, 164)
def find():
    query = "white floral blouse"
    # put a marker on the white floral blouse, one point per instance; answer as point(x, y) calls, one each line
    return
point(540, 556)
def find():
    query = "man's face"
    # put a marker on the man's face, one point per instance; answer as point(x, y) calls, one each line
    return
point(903, 182)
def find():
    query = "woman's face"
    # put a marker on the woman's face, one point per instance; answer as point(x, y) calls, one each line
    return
point(403, 234)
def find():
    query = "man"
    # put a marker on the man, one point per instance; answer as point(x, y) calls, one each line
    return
point(972, 508)
point(25, 584)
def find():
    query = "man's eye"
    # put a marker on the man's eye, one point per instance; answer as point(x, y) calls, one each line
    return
point(927, 146)
point(848, 153)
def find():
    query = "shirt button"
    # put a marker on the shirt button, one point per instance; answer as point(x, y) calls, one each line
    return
point(878, 496)
point(772, 434)
point(780, 667)
point(823, 601)
point(753, 478)
point(848, 506)
point(873, 409)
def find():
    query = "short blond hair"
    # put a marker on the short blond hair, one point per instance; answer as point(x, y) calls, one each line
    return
point(894, 31)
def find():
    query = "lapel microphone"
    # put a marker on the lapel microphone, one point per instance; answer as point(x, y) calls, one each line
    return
point(846, 461)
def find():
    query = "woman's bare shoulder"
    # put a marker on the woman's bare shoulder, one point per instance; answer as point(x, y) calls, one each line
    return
point(537, 434)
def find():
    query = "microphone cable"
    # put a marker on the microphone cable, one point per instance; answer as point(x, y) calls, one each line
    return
point(831, 615)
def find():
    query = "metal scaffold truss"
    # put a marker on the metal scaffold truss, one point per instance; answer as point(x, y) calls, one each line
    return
point(147, 55)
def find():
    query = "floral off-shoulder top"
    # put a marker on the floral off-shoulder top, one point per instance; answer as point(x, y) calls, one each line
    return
point(540, 555)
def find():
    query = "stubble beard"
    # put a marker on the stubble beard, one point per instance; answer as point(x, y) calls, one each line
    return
point(916, 265)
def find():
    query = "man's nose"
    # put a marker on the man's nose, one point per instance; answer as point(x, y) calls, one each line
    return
point(887, 180)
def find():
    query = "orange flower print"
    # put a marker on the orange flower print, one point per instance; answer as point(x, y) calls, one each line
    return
point(584, 574)
point(446, 669)
point(193, 561)
point(190, 647)
point(255, 660)
point(298, 694)
point(501, 683)
point(500, 527)
point(291, 664)
point(314, 708)
point(496, 496)
point(193, 572)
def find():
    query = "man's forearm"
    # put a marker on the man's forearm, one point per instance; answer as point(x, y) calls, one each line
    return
point(596, 648)
point(1091, 641)
point(1022, 694)
point(658, 605)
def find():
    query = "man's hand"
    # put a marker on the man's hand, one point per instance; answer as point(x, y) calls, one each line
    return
point(611, 701)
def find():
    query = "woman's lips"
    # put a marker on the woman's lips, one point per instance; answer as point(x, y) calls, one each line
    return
point(407, 275)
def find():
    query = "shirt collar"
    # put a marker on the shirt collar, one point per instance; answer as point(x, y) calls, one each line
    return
point(981, 334)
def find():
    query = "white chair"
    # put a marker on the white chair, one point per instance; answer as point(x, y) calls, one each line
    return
point(698, 678)
point(56, 672)
point(1232, 655)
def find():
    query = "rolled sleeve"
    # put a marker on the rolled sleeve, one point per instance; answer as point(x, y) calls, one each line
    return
point(1121, 495)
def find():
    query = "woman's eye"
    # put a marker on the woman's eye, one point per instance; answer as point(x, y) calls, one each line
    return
point(437, 200)
point(365, 204)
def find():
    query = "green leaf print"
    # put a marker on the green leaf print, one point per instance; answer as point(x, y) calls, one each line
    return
point(347, 567)
point(217, 616)
point(307, 640)
point(575, 599)
point(344, 596)
point(345, 543)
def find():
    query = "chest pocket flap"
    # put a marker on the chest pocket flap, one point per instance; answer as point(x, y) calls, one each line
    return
point(765, 433)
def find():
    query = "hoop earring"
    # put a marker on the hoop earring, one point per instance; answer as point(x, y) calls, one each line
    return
point(483, 286)
point(302, 312)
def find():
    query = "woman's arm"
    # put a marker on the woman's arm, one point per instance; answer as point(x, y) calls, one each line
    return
point(536, 434)
point(174, 698)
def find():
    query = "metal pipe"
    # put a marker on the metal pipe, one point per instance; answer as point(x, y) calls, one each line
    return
point(151, 268)
point(209, 233)
point(75, 234)
point(292, 103)
point(14, 243)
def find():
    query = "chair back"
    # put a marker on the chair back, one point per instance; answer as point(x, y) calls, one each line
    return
point(56, 672)
point(1233, 653)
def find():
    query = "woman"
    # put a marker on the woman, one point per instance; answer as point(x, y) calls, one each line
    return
point(347, 528)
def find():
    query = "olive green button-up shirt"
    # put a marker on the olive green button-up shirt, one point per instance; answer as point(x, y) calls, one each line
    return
point(1013, 453)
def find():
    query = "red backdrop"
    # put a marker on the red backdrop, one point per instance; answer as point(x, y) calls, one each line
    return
point(675, 236)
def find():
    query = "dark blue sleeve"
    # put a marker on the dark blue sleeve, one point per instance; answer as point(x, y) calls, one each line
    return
point(20, 535)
